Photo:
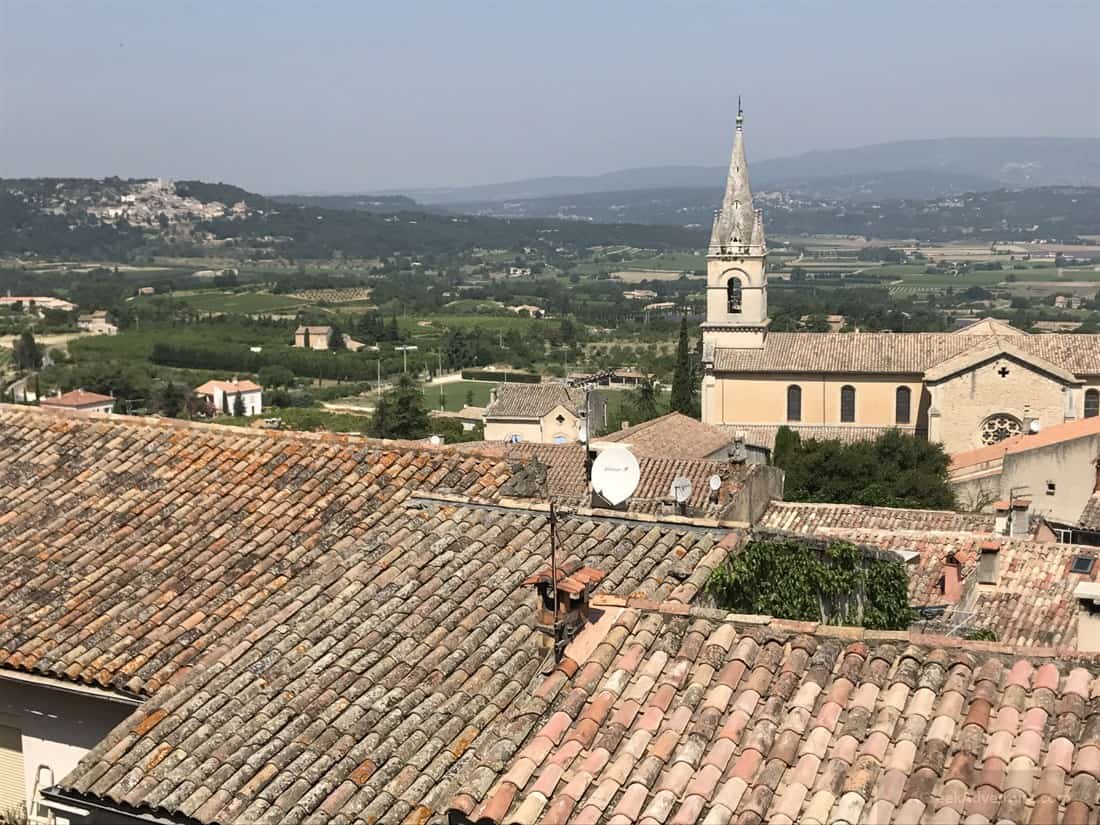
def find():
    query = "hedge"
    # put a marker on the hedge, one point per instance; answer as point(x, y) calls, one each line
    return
point(502, 377)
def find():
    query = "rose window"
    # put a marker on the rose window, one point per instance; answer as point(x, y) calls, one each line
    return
point(999, 427)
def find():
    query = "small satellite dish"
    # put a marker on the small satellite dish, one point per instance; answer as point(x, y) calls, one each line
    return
point(681, 489)
point(1034, 426)
point(615, 474)
point(582, 433)
point(715, 482)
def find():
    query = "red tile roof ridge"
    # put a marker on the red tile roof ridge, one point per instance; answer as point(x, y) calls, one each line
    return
point(242, 432)
point(793, 627)
point(542, 505)
point(1055, 434)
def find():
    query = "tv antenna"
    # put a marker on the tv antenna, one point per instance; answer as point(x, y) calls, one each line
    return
point(615, 475)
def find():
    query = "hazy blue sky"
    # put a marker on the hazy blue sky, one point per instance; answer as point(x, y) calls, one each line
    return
point(352, 96)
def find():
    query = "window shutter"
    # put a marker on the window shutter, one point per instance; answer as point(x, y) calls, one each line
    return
point(12, 777)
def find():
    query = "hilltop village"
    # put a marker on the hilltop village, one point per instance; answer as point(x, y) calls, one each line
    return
point(589, 596)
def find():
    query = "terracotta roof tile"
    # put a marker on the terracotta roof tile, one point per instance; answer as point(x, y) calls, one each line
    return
point(533, 400)
point(674, 434)
point(906, 354)
point(776, 765)
point(355, 662)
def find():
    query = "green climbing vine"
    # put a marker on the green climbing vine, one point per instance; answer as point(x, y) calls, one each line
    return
point(838, 585)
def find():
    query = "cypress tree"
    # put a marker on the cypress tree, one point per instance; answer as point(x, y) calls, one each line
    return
point(683, 393)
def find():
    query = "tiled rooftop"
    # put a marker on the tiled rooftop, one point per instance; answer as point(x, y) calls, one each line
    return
point(534, 400)
point(1048, 436)
point(1031, 603)
point(366, 688)
point(128, 545)
point(805, 517)
point(678, 716)
point(671, 435)
point(76, 399)
point(565, 478)
point(1090, 516)
point(907, 354)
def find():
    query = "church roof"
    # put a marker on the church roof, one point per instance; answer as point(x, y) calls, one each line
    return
point(989, 326)
point(898, 353)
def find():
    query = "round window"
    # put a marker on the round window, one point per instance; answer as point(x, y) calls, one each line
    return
point(999, 427)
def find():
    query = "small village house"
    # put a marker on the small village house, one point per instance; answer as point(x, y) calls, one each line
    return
point(222, 396)
point(80, 400)
point(312, 337)
point(544, 413)
point(97, 323)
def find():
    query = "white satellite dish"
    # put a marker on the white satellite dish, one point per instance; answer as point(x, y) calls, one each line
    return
point(715, 482)
point(681, 489)
point(615, 474)
point(1034, 426)
point(582, 433)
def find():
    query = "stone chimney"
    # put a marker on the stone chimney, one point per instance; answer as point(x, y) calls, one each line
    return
point(1013, 517)
point(563, 606)
point(952, 586)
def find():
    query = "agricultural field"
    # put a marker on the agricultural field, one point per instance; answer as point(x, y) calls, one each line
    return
point(244, 303)
point(347, 295)
point(454, 394)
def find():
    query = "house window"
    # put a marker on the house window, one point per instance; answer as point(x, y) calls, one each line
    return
point(987, 567)
point(560, 419)
point(847, 404)
point(794, 403)
point(733, 295)
point(1092, 403)
point(1083, 565)
point(514, 438)
point(1052, 488)
point(12, 780)
point(901, 405)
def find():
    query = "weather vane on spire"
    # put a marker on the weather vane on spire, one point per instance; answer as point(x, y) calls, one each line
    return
point(740, 114)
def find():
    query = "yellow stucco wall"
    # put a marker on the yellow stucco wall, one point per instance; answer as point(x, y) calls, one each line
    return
point(965, 400)
point(544, 430)
point(763, 399)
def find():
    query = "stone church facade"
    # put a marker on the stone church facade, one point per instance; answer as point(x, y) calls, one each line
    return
point(963, 389)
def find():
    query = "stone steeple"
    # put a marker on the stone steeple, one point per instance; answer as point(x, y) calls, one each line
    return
point(736, 227)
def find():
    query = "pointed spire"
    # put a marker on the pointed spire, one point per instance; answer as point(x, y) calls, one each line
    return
point(734, 225)
point(757, 240)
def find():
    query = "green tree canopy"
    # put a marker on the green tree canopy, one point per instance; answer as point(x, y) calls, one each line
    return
point(641, 404)
point(838, 584)
point(26, 352)
point(894, 470)
point(683, 392)
point(274, 376)
point(400, 412)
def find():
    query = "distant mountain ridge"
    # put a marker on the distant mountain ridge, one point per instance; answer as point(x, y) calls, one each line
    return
point(959, 164)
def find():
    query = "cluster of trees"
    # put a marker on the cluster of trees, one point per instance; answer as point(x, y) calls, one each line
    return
point(26, 353)
point(894, 470)
point(338, 366)
point(870, 308)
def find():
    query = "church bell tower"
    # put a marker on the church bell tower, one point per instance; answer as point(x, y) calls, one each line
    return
point(737, 283)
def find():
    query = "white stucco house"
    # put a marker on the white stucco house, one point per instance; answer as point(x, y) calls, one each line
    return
point(46, 727)
point(222, 395)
